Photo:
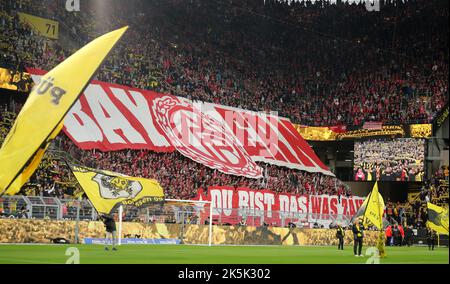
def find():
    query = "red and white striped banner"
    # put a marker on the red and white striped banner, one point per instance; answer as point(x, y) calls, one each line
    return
point(111, 117)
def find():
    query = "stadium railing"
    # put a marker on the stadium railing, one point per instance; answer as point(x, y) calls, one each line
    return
point(14, 206)
point(69, 210)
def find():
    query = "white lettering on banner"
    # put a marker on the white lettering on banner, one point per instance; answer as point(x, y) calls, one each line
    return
point(279, 209)
point(250, 129)
point(216, 201)
point(243, 199)
point(141, 110)
point(316, 205)
point(293, 207)
point(284, 203)
point(259, 198)
point(227, 199)
point(333, 204)
point(251, 194)
point(268, 138)
point(81, 127)
point(253, 130)
point(325, 209)
point(302, 204)
point(269, 200)
point(110, 118)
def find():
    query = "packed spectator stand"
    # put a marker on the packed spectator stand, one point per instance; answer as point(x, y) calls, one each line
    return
point(302, 61)
point(180, 176)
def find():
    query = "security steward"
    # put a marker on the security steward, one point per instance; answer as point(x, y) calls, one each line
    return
point(110, 226)
point(358, 235)
point(340, 236)
point(431, 238)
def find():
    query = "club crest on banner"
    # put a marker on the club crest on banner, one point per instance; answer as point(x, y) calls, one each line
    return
point(202, 138)
point(117, 187)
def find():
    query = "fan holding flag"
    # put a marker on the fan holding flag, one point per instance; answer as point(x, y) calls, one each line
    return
point(371, 213)
point(437, 223)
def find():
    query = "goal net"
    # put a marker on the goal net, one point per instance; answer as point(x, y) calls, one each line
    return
point(170, 223)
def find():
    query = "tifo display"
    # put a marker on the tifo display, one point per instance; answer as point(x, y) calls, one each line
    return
point(175, 131)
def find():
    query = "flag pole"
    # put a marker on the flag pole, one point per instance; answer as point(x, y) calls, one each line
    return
point(120, 225)
point(210, 223)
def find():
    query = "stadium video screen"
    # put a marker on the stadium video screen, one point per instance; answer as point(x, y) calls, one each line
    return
point(389, 160)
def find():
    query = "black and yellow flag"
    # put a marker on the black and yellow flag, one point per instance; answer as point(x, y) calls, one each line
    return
point(41, 118)
point(372, 210)
point(33, 164)
point(108, 190)
point(437, 218)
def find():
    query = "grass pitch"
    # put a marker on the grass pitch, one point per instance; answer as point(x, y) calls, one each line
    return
point(184, 254)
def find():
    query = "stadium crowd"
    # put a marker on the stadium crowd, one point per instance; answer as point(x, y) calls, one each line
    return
point(182, 177)
point(178, 175)
point(275, 56)
point(302, 61)
point(390, 160)
point(413, 214)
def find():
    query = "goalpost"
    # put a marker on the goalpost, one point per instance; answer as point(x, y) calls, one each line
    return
point(177, 208)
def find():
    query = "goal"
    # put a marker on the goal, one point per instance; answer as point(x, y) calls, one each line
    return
point(165, 224)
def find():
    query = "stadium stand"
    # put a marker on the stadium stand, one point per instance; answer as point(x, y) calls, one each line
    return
point(303, 73)
point(414, 212)
point(180, 176)
point(312, 79)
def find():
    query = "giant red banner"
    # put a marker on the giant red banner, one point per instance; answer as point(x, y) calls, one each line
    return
point(231, 205)
point(111, 117)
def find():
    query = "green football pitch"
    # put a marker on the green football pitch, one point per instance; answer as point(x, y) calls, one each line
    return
point(184, 254)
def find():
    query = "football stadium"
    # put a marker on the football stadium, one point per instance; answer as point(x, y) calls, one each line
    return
point(224, 132)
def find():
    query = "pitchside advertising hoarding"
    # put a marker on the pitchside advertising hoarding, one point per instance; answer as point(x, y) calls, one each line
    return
point(256, 207)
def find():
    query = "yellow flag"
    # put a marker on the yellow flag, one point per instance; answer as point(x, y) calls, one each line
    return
point(374, 207)
point(33, 165)
point(46, 108)
point(437, 218)
point(108, 190)
point(44, 27)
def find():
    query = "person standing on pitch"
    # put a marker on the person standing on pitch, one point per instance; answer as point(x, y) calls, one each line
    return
point(110, 226)
point(358, 235)
point(340, 236)
point(431, 238)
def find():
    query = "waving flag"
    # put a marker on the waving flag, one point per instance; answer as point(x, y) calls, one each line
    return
point(43, 113)
point(372, 209)
point(108, 190)
point(437, 218)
